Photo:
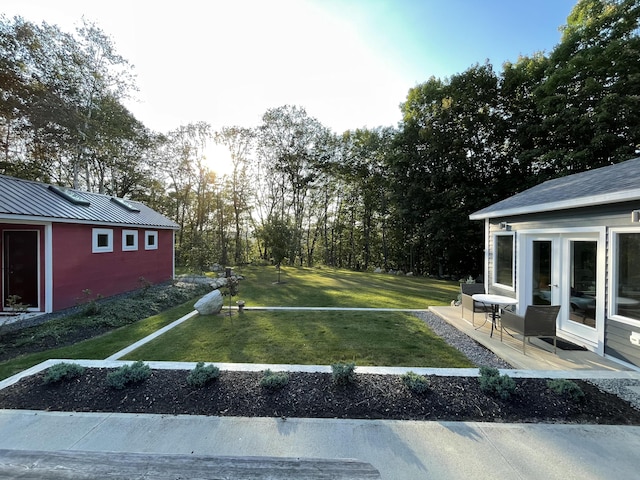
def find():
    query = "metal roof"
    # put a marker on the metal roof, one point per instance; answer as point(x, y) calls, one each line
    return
point(610, 184)
point(26, 200)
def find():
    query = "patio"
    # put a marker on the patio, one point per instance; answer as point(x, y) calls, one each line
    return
point(539, 355)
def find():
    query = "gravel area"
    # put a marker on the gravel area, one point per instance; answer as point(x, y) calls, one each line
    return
point(480, 355)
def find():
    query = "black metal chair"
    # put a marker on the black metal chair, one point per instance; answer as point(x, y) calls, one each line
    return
point(467, 290)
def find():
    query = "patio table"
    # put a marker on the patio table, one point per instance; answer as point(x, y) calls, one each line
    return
point(495, 301)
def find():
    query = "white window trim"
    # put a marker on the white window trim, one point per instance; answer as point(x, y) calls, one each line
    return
point(613, 275)
point(494, 279)
point(102, 231)
point(129, 248)
point(154, 234)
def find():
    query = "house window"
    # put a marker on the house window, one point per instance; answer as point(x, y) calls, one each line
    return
point(150, 240)
point(626, 295)
point(503, 263)
point(102, 240)
point(129, 240)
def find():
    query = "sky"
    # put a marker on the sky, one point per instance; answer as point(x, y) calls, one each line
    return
point(349, 63)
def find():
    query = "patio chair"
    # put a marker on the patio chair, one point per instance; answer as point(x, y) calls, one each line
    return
point(538, 321)
point(467, 290)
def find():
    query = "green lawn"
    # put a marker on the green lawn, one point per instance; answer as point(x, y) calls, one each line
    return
point(326, 287)
point(306, 337)
point(290, 337)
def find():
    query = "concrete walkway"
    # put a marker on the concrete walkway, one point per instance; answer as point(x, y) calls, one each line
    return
point(397, 449)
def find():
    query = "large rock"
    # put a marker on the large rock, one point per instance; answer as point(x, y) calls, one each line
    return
point(211, 303)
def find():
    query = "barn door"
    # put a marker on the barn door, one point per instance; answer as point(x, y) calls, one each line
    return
point(20, 272)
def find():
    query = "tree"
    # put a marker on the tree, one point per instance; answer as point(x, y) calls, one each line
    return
point(239, 141)
point(591, 114)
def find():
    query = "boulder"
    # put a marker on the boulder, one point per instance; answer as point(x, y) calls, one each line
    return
point(378, 270)
point(211, 303)
point(218, 282)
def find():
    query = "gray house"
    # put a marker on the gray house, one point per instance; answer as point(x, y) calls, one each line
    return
point(574, 241)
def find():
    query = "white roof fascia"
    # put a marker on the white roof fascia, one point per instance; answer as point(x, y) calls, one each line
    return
point(624, 196)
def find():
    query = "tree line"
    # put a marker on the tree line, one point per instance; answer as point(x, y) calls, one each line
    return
point(395, 197)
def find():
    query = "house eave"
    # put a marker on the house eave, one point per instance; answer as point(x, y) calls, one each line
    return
point(617, 197)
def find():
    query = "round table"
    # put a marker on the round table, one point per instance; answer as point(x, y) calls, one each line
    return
point(495, 301)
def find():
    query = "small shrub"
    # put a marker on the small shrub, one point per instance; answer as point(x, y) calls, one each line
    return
point(567, 388)
point(274, 381)
point(343, 373)
point(495, 385)
point(416, 383)
point(201, 375)
point(62, 371)
point(128, 374)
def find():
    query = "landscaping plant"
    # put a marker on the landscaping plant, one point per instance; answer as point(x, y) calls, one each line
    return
point(201, 375)
point(494, 384)
point(343, 373)
point(128, 374)
point(415, 383)
point(62, 371)
point(566, 388)
point(274, 380)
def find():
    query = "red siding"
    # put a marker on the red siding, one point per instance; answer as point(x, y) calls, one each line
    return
point(76, 268)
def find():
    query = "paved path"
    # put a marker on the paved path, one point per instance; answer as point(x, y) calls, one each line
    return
point(397, 449)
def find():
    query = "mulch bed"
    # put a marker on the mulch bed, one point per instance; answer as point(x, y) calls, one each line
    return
point(315, 395)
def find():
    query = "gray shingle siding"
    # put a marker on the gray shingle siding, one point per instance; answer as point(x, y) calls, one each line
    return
point(34, 201)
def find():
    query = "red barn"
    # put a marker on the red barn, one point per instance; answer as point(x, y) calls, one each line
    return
point(61, 247)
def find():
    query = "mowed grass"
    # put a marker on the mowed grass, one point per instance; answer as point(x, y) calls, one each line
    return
point(367, 338)
point(306, 338)
point(101, 347)
point(326, 287)
point(317, 337)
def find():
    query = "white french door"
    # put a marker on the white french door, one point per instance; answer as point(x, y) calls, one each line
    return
point(567, 269)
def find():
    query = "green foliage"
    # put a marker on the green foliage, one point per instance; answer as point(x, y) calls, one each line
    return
point(62, 371)
point(416, 383)
point(274, 380)
point(492, 383)
point(343, 373)
point(201, 375)
point(128, 374)
point(567, 388)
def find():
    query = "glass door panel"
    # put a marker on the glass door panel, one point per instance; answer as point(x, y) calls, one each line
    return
point(583, 277)
point(542, 272)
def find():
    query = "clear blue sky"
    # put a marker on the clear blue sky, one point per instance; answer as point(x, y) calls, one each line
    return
point(350, 63)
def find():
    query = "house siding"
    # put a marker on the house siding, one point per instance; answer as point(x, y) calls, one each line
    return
point(616, 334)
point(80, 275)
point(617, 342)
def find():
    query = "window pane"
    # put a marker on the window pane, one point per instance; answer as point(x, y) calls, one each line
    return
point(627, 298)
point(151, 240)
point(130, 241)
point(504, 260)
point(103, 240)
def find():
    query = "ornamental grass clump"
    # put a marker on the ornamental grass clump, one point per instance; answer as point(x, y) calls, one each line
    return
point(415, 383)
point(62, 371)
point(201, 375)
point(127, 374)
point(274, 380)
point(492, 383)
point(567, 388)
point(343, 373)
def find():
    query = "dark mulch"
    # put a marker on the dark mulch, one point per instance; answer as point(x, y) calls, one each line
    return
point(315, 395)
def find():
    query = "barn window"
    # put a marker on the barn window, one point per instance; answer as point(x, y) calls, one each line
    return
point(102, 240)
point(129, 240)
point(150, 240)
